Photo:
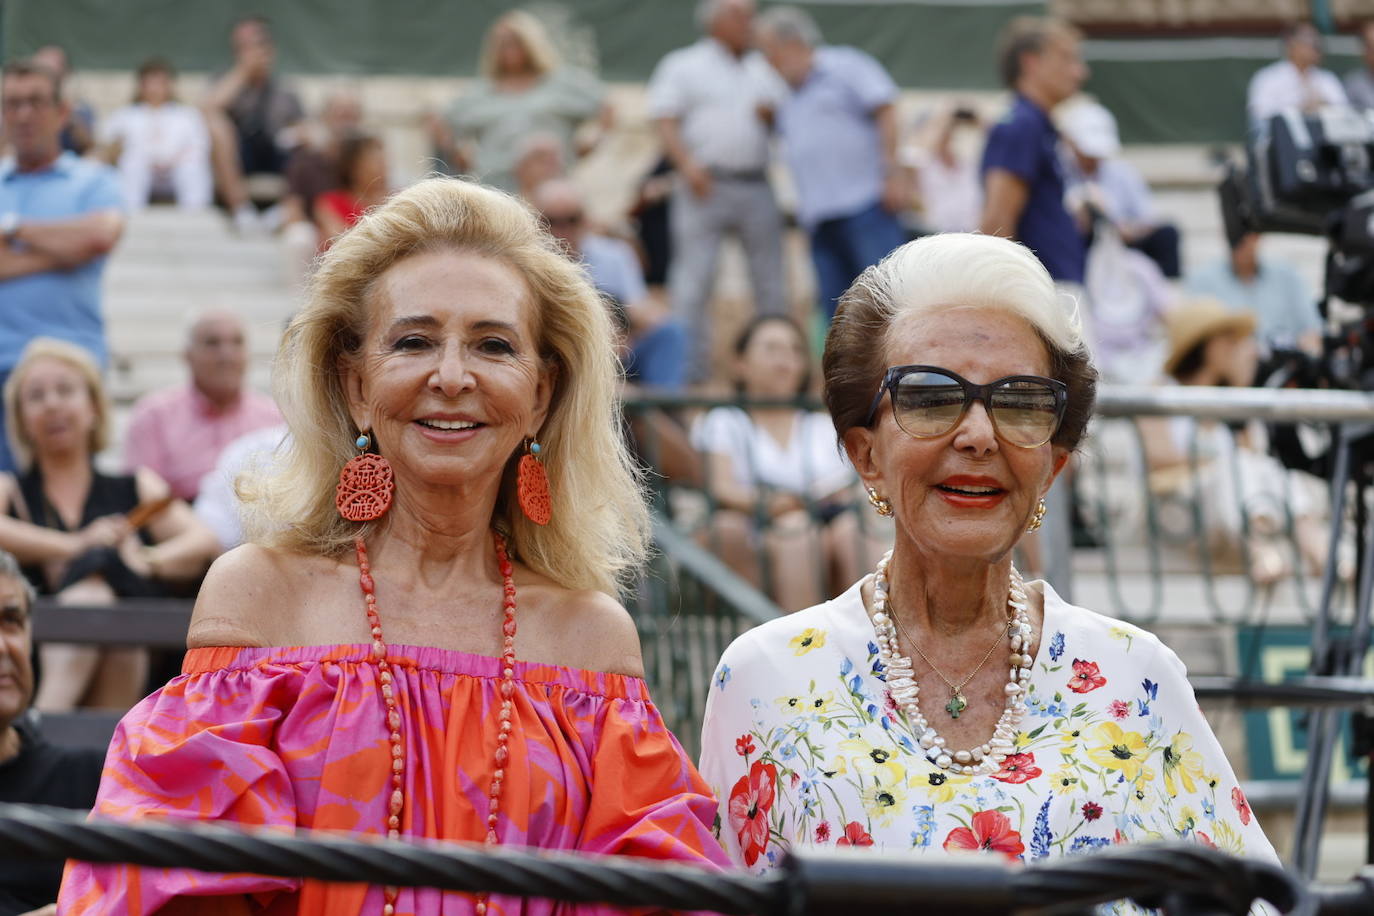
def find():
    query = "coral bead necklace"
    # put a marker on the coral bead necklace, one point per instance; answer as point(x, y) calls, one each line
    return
point(393, 715)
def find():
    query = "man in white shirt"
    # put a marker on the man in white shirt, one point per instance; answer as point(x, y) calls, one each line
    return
point(1296, 81)
point(712, 105)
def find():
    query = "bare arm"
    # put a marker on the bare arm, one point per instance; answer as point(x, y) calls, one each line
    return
point(22, 263)
point(896, 177)
point(73, 242)
point(224, 90)
point(184, 546)
point(670, 132)
point(1005, 196)
point(32, 543)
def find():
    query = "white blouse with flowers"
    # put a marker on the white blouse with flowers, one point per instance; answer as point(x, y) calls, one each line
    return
point(803, 746)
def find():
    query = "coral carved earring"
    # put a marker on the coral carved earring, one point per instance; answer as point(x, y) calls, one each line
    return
point(365, 485)
point(532, 487)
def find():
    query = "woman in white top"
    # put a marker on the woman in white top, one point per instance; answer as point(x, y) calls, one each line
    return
point(161, 146)
point(941, 704)
point(782, 490)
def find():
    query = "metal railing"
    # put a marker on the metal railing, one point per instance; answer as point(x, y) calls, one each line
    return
point(1179, 879)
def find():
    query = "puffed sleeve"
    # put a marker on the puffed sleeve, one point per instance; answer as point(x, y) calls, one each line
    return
point(647, 799)
point(198, 749)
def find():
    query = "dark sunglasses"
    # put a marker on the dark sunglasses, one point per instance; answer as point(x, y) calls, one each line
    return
point(928, 401)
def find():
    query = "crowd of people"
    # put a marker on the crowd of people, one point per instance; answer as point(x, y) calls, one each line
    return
point(460, 351)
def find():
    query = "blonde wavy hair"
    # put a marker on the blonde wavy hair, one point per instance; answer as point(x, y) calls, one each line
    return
point(600, 528)
point(80, 359)
point(531, 34)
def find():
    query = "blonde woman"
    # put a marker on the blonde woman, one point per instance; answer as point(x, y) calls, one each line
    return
point(425, 643)
point(523, 90)
point(71, 525)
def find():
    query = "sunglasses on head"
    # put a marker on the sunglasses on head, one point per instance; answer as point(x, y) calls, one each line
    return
point(928, 401)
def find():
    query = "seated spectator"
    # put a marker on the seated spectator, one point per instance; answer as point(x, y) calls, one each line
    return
point(179, 432)
point(160, 146)
point(217, 504)
point(1115, 188)
point(1359, 83)
point(361, 184)
point(656, 345)
point(1295, 81)
point(1246, 494)
point(313, 165)
point(1269, 288)
point(78, 134)
point(539, 158)
point(947, 182)
point(784, 496)
point(85, 536)
point(523, 88)
point(32, 771)
point(249, 113)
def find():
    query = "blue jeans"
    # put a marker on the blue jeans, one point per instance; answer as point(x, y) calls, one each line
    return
point(6, 459)
point(842, 247)
point(658, 359)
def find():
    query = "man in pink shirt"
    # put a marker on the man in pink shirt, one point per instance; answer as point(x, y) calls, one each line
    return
point(179, 432)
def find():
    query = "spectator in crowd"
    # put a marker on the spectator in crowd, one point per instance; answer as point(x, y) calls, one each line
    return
point(1023, 176)
point(78, 134)
point(160, 145)
point(313, 165)
point(1295, 81)
point(838, 125)
point(250, 112)
point(254, 454)
point(1270, 289)
point(523, 88)
point(539, 158)
point(784, 496)
point(655, 350)
point(59, 217)
point(32, 771)
point(1114, 188)
point(179, 432)
point(712, 104)
point(85, 536)
point(1246, 494)
point(650, 216)
point(1359, 83)
point(361, 184)
point(947, 184)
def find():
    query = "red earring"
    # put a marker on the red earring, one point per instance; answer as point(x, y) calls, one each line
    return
point(365, 485)
point(532, 487)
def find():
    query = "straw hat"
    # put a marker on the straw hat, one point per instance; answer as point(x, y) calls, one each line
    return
point(1198, 320)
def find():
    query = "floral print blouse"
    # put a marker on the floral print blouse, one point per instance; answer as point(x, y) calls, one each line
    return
point(803, 746)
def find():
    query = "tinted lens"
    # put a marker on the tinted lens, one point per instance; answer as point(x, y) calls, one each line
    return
point(927, 404)
point(1025, 413)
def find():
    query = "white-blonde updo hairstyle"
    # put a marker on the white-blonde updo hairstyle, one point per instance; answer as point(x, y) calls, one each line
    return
point(599, 531)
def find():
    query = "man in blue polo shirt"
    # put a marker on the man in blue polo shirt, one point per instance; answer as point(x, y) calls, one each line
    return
point(59, 218)
point(839, 135)
point(1023, 176)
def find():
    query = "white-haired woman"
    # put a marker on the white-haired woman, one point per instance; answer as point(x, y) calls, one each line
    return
point(424, 643)
point(942, 703)
point(81, 533)
point(523, 90)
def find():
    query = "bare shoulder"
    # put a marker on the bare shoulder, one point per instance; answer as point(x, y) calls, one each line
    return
point(590, 630)
point(244, 592)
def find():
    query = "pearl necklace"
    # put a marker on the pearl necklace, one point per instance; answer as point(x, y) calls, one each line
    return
point(393, 715)
point(902, 687)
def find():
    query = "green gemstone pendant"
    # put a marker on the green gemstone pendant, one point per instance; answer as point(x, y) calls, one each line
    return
point(956, 705)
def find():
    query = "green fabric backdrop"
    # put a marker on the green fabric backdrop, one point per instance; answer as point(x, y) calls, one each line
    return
point(925, 45)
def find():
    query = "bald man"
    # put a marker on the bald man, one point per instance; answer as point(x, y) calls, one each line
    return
point(179, 432)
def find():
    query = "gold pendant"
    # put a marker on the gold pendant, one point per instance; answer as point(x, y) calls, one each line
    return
point(956, 705)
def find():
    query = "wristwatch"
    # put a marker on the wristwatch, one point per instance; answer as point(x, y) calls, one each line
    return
point(9, 227)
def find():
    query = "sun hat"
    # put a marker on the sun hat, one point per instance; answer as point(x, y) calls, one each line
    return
point(1202, 319)
point(1092, 129)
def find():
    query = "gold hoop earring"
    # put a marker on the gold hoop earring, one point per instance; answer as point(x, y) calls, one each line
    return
point(1038, 519)
point(880, 505)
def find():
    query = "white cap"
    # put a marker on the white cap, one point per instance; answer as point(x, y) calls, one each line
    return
point(1092, 129)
